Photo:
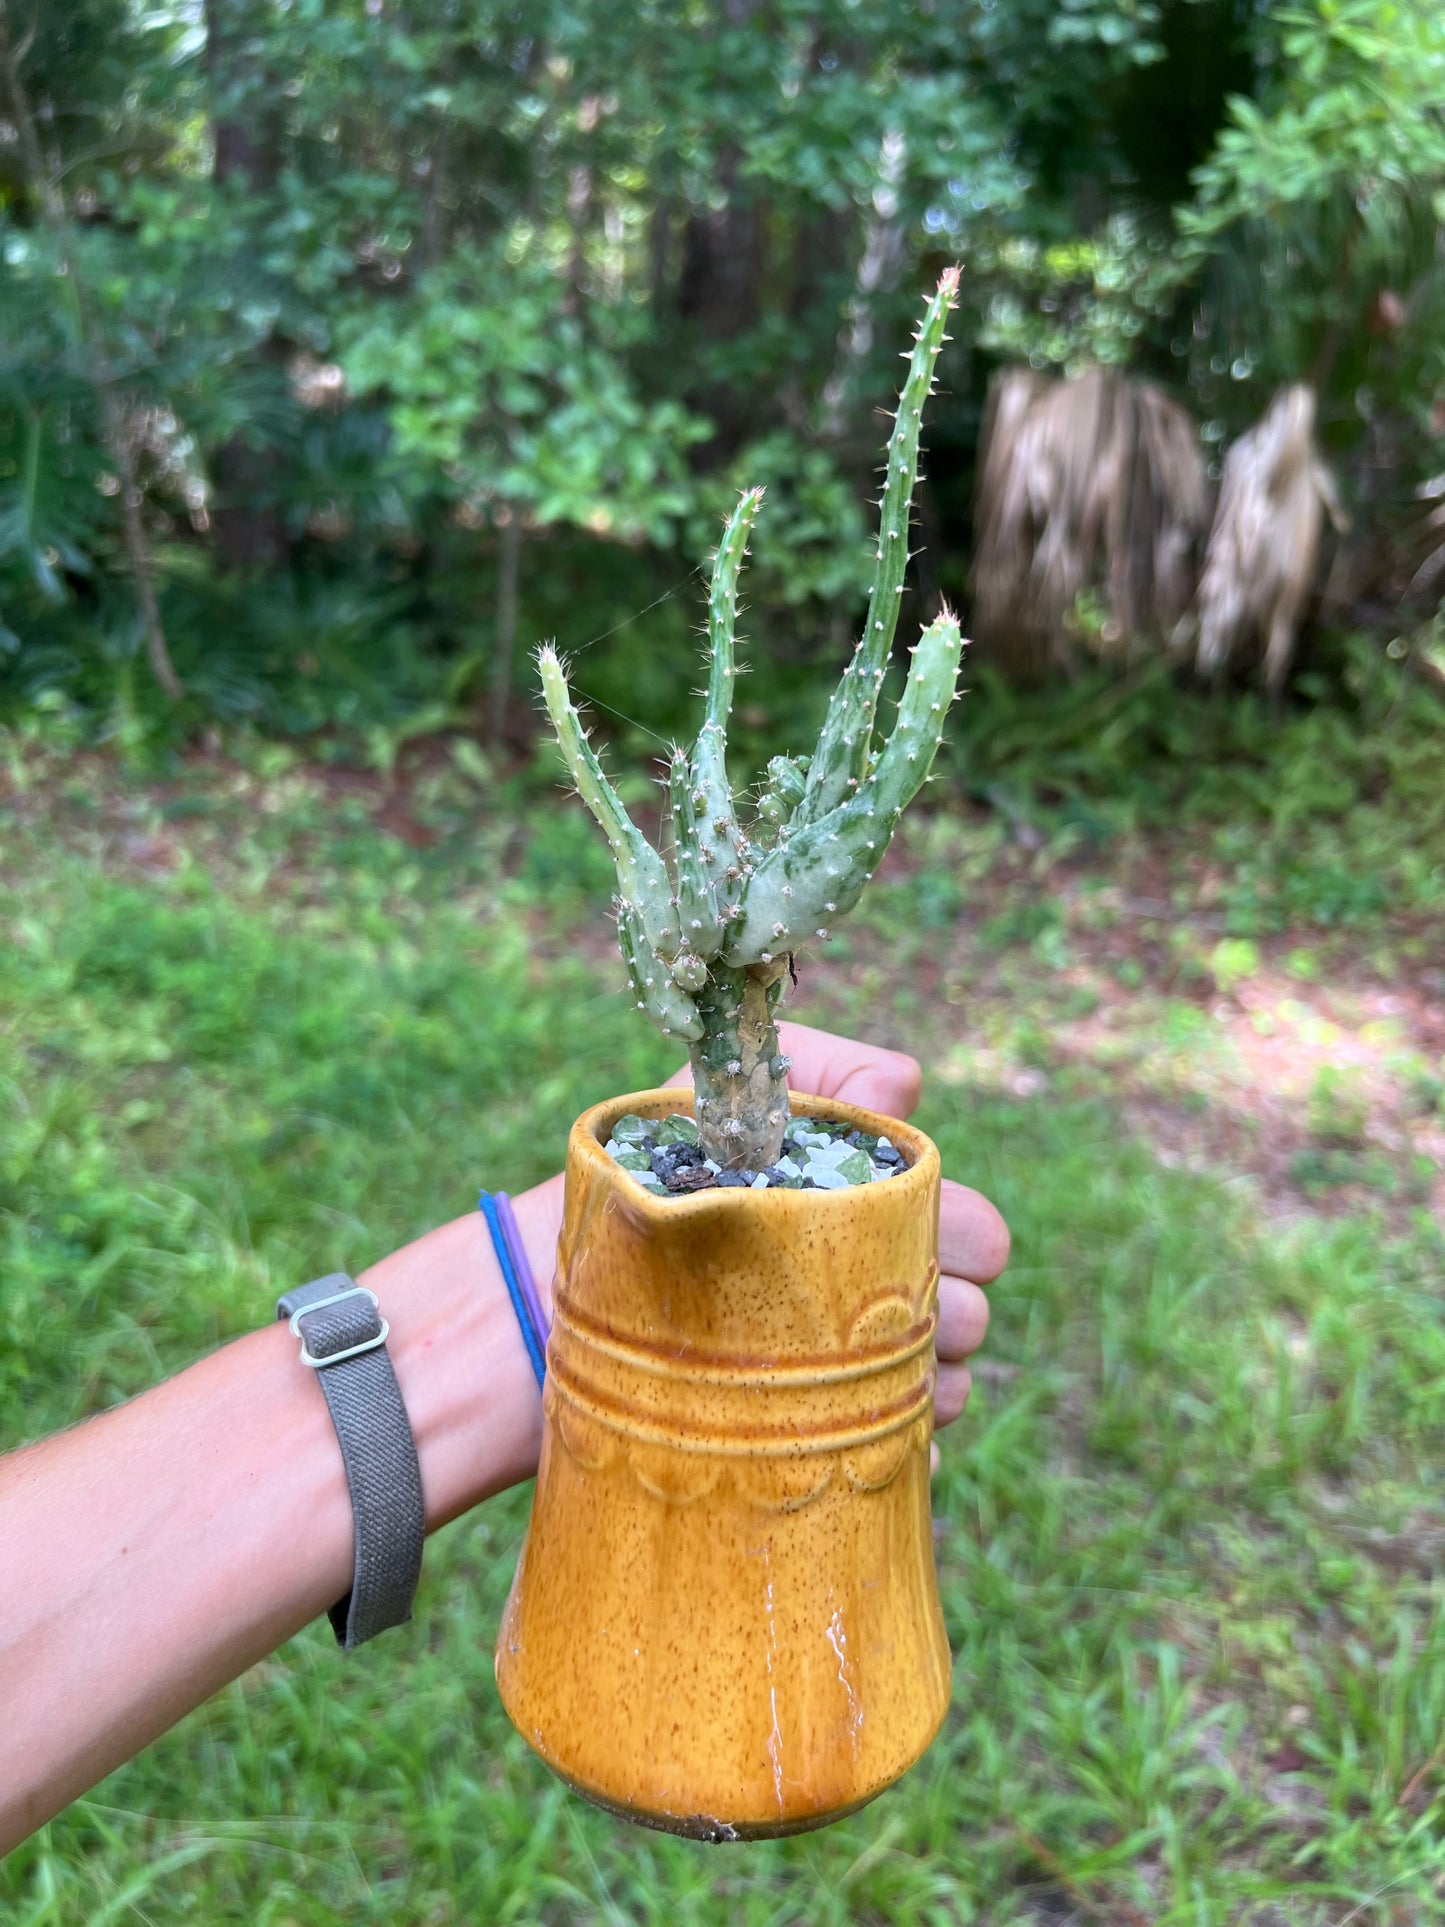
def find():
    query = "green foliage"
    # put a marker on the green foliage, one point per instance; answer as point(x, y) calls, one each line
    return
point(1322, 192)
point(564, 859)
point(491, 384)
point(810, 552)
point(1338, 1107)
point(369, 290)
point(1358, 87)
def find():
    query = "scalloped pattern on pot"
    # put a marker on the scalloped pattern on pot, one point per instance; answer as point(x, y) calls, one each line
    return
point(686, 1425)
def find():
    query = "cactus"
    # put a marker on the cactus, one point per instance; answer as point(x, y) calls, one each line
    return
point(708, 937)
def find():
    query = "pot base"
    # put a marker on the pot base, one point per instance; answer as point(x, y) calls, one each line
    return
point(702, 1826)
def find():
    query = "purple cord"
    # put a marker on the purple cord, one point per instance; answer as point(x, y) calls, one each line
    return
point(517, 1251)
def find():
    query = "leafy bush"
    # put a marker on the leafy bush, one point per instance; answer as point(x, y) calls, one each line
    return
point(361, 381)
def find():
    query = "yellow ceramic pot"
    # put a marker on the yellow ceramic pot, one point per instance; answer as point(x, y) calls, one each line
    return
point(725, 1619)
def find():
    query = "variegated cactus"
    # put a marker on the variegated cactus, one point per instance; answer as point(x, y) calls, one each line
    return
point(707, 935)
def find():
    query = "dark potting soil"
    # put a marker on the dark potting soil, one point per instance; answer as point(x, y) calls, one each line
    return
point(665, 1157)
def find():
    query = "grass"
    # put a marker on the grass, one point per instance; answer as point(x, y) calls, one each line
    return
point(1189, 1530)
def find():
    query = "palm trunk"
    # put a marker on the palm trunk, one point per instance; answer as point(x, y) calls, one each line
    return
point(136, 547)
point(882, 249)
point(246, 153)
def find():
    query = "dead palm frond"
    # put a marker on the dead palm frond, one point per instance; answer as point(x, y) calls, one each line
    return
point(1259, 568)
point(1093, 485)
point(1009, 506)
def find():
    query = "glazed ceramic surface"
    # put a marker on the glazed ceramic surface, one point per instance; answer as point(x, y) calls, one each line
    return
point(725, 1620)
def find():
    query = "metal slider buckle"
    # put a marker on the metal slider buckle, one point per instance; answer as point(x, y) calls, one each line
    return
point(351, 1351)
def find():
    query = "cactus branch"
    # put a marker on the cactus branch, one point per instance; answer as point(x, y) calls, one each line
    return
point(698, 917)
point(723, 606)
point(715, 810)
point(641, 873)
point(786, 786)
point(846, 743)
point(653, 988)
point(820, 872)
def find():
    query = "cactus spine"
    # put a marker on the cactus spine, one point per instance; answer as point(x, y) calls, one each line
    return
point(707, 941)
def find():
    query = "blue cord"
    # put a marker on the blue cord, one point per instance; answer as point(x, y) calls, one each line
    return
point(488, 1208)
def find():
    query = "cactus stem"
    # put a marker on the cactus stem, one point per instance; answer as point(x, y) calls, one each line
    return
point(741, 1091)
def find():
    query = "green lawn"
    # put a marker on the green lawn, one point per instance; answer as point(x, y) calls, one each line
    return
point(1190, 1530)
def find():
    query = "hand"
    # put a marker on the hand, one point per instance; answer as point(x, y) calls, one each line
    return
point(973, 1240)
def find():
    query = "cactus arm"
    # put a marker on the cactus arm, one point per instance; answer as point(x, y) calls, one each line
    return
point(723, 606)
point(820, 872)
point(907, 756)
point(670, 1008)
point(697, 904)
point(641, 874)
point(845, 745)
point(720, 840)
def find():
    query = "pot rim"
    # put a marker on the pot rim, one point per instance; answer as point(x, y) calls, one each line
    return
point(587, 1141)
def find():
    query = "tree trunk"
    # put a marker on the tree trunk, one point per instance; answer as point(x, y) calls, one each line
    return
point(721, 280)
point(243, 113)
point(659, 257)
point(878, 266)
point(137, 549)
point(722, 264)
point(245, 138)
point(579, 205)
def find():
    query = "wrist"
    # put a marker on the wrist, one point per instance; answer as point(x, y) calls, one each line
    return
point(459, 1357)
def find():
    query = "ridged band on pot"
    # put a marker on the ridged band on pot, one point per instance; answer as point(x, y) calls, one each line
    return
point(725, 1619)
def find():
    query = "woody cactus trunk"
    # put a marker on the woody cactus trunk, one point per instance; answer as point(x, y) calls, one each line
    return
point(708, 933)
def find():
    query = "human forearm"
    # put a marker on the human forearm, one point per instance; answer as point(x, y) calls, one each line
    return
point(154, 1553)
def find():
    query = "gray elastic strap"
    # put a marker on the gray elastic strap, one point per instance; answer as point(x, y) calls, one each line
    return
point(379, 1453)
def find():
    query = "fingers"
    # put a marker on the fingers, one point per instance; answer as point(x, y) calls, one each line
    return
point(950, 1394)
point(962, 1323)
point(973, 1248)
point(827, 1066)
point(962, 1319)
point(863, 1074)
point(973, 1240)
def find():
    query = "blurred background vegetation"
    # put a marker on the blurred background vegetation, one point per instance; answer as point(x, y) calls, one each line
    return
point(348, 347)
